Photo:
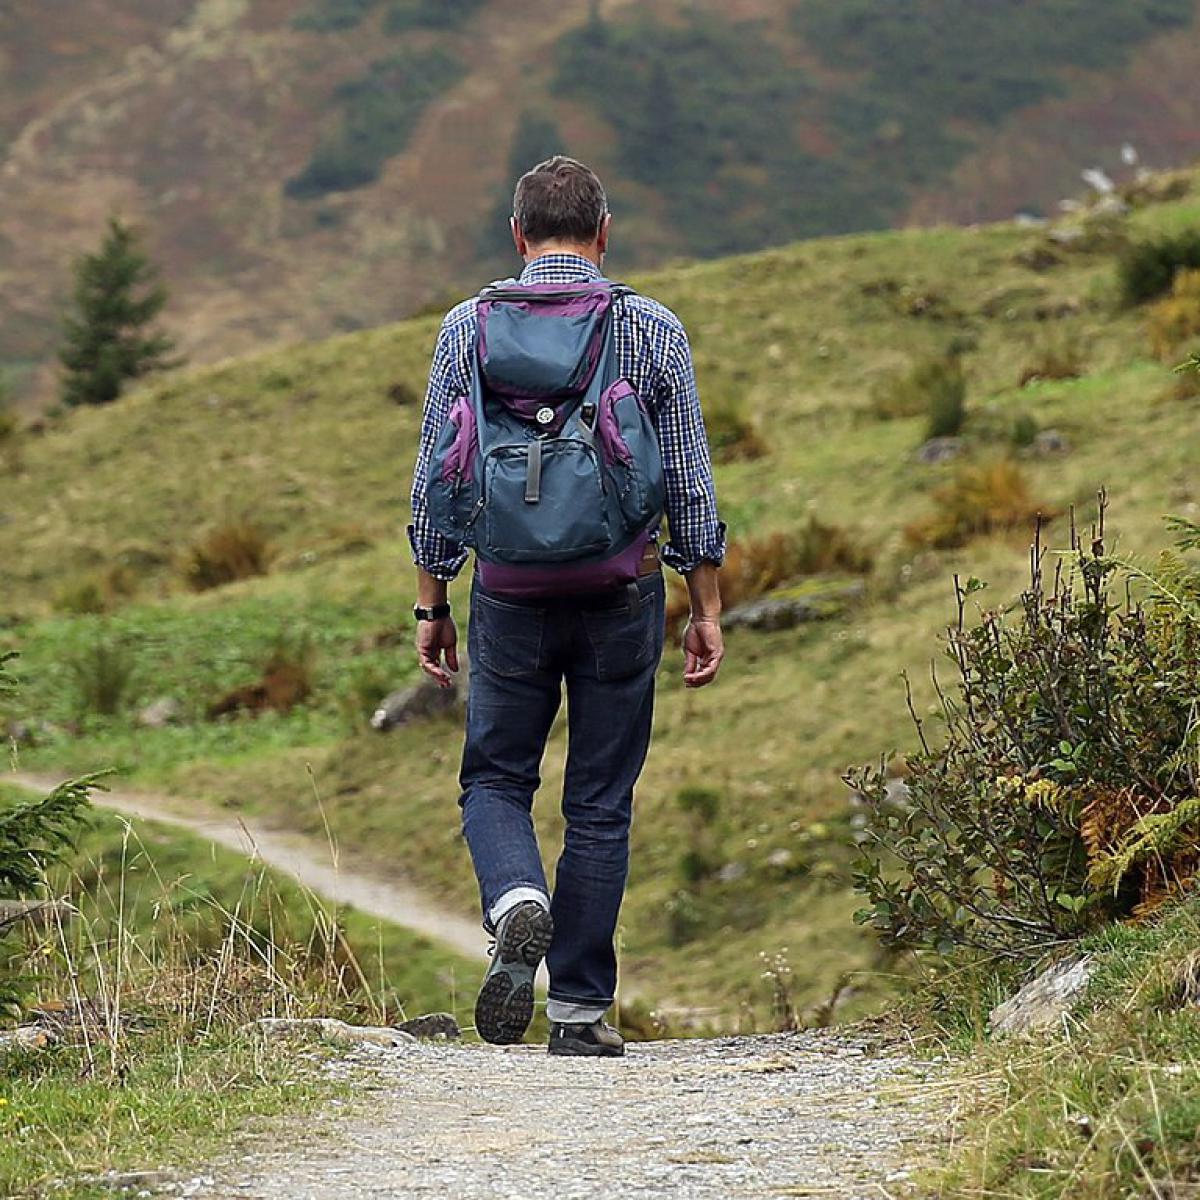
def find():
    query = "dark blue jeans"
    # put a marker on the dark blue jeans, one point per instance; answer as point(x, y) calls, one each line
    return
point(607, 649)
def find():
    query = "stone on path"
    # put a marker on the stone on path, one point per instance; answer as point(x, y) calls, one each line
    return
point(1044, 1000)
point(432, 1026)
point(335, 1031)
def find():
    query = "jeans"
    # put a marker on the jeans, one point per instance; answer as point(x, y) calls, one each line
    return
point(607, 648)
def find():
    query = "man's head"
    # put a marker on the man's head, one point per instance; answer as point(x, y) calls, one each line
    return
point(560, 207)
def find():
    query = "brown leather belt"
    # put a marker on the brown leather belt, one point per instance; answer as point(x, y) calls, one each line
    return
point(649, 562)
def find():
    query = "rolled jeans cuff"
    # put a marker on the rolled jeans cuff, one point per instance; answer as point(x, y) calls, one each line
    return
point(510, 900)
point(572, 1012)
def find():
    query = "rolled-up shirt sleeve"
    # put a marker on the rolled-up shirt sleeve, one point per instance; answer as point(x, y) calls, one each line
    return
point(696, 533)
point(437, 554)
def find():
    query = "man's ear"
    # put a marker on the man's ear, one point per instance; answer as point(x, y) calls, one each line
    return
point(518, 237)
point(602, 235)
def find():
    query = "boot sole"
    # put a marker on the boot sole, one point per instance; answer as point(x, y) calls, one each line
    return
point(505, 1005)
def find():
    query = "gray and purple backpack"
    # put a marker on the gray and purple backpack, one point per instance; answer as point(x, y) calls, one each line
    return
point(550, 468)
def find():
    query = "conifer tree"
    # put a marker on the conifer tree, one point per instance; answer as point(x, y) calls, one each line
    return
point(106, 336)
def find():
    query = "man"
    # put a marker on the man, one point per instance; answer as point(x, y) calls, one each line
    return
point(605, 645)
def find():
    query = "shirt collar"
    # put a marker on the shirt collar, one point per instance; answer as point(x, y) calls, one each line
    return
point(560, 268)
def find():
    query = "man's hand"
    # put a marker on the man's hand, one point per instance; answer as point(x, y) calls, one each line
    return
point(703, 649)
point(435, 638)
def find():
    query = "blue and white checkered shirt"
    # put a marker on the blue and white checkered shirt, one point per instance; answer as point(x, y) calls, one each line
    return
point(654, 355)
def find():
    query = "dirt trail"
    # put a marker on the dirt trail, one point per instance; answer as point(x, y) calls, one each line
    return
point(390, 899)
point(808, 1114)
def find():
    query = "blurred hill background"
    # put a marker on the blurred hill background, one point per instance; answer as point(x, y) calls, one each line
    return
point(307, 167)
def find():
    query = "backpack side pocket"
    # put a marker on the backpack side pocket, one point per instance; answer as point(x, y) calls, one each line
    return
point(632, 456)
point(452, 488)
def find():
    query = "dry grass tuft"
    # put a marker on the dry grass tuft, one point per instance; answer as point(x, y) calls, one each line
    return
point(982, 498)
point(1055, 356)
point(232, 551)
point(755, 566)
point(1176, 318)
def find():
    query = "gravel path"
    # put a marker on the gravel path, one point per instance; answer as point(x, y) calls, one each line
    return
point(809, 1114)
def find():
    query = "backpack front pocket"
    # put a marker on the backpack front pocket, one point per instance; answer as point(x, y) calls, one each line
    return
point(544, 502)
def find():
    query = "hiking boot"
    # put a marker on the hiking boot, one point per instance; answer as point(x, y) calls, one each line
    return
point(595, 1040)
point(505, 1005)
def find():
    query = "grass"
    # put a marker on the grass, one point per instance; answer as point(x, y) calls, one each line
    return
point(1110, 1105)
point(177, 946)
point(307, 438)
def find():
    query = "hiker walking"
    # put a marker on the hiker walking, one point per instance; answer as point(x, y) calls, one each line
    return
point(561, 423)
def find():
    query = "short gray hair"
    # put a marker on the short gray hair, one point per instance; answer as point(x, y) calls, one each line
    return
point(560, 200)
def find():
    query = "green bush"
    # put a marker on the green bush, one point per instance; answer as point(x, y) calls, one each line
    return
point(379, 112)
point(103, 673)
point(327, 15)
point(1065, 790)
point(1147, 270)
point(428, 14)
point(935, 387)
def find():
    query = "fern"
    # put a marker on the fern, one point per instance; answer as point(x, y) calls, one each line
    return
point(1157, 836)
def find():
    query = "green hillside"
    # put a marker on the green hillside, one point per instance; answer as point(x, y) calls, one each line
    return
point(799, 351)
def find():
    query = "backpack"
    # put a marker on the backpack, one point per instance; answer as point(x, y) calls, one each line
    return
point(550, 468)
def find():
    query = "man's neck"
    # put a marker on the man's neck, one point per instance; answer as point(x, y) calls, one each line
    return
point(547, 248)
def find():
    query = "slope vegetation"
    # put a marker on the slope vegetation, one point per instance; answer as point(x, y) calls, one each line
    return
point(740, 902)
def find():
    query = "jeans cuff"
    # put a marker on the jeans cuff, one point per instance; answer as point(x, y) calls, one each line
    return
point(573, 1012)
point(510, 900)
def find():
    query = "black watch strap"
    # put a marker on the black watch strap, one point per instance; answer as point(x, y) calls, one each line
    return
point(437, 613)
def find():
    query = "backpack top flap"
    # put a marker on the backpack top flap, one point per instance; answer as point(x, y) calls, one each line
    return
point(542, 340)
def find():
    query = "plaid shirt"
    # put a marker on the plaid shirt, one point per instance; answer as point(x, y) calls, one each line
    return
point(653, 354)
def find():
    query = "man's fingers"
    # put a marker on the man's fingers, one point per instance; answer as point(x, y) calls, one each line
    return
point(452, 657)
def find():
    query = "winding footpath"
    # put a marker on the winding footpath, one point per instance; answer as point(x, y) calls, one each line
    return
point(389, 899)
point(817, 1113)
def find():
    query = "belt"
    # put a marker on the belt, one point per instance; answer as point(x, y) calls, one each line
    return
point(649, 562)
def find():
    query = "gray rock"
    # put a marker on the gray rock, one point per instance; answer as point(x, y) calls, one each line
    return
point(785, 612)
point(1050, 442)
point(432, 1027)
point(731, 872)
point(335, 1031)
point(158, 714)
point(939, 450)
point(1044, 1001)
point(422, 700)
point(26, 1037)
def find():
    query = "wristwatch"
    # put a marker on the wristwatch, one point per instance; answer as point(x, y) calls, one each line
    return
point(437, 613)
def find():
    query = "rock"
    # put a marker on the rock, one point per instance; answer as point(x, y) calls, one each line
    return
point(422, 700)
point(786, 612)
point(432, 1026)
point(26, 1037)
point(158, 714)
point(1050, 442)
point(731, 872)
point(939, 450)
point(1044, 1001)
point(334, 1030)
point(39, 913)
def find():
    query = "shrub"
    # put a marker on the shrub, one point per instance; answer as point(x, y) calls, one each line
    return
point(755, 566)
point(947, 391)
point(1024, 431)
point(935, 387)
point(1175, 318)
point(701, 807)
point(733, 436)
point(1065, 790)
point(1146, 270)
point(286, 680)
point(102, 673)
point(1055, 356)
point(232, 551)
point(982, 498)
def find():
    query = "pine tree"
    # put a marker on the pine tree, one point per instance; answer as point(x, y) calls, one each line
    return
point(106, 337)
